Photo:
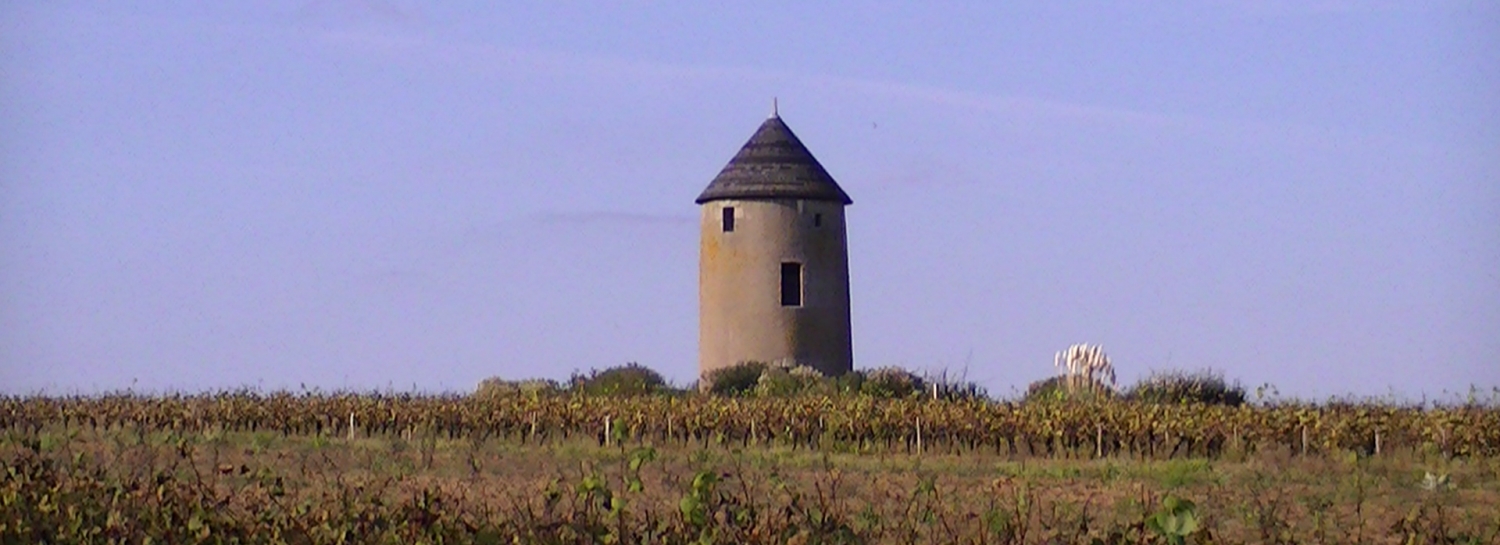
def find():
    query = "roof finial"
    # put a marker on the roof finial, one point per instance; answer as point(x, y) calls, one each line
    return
point(774, 109)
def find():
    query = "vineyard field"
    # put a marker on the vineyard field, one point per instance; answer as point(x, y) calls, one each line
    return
point(855, 422)
point(287, 468)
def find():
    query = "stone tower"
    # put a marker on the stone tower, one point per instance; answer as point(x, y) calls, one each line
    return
point(773, 265)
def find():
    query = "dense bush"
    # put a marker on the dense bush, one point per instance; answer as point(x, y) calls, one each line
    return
point(626, 380)
point(738, 379)
point(1063, 388)
point(777, 381)
point(1177, 387)
point(786, 379)
point(955, 387)
point(748, 378)
point(496, 386)
point(891, 382)
point(849, 384)
point(761, 379)
point(1086, 373)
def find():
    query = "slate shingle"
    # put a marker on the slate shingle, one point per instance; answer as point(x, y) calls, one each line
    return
point(774, 165)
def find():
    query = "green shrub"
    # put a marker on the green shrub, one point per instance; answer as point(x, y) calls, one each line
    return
point(955, 387)
point(738, 379)
point(891, 382)
point(630, 379)
point(1177, 387)
point(495, 386)
point(761, 379)
point(851, 383)
point(777, 381)
point(1067, 389)
point(1176, 521)
point(498, 387)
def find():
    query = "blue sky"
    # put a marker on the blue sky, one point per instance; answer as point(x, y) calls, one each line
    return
point(365, 194)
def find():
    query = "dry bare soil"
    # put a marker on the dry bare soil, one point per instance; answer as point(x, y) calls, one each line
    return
point(76, 484)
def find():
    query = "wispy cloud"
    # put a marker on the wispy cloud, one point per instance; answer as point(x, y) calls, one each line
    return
point(1293, 8)
point(506, 60)
point(613, 218)
point(358, 12)
point(991, 103)
point(500, 60)
point(494, 60)
point(516, 226)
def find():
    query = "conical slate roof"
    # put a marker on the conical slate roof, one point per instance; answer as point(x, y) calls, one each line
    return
point(774, 165)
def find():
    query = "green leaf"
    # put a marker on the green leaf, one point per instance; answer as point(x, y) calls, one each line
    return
point(693, 510)
point(704, 482)
point(1154, 523)
point(1188, 524)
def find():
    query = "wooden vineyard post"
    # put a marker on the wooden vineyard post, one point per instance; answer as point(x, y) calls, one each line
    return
point(1099, 441)
point(1304, 440)
point(919, 436)
point(606, 430)
point(351, 426)
point(1377, 442)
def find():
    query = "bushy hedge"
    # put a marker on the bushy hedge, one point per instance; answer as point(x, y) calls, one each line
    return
point(624, 380)
point(749, 378)
point(891, 383)
point(761, 379)
point(778, 381)
point(737, 379)
point(786, 379)
point(1067, 389)
point(496, 386)
point(1178, 387)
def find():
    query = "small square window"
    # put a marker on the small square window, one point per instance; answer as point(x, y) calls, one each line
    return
point(728, 219)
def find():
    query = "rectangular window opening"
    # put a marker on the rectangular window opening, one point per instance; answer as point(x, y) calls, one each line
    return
point(729, 219)
point(791, 284)
point(817, 220)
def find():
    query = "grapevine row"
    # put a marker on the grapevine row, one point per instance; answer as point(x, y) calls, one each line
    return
point(1105, 427)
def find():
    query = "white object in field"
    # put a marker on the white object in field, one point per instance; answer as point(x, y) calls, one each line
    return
point(1085, 362)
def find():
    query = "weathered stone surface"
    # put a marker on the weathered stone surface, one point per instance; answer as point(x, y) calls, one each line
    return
point(786, 209)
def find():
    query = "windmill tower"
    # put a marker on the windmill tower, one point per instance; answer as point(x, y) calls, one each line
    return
point(773, 269)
